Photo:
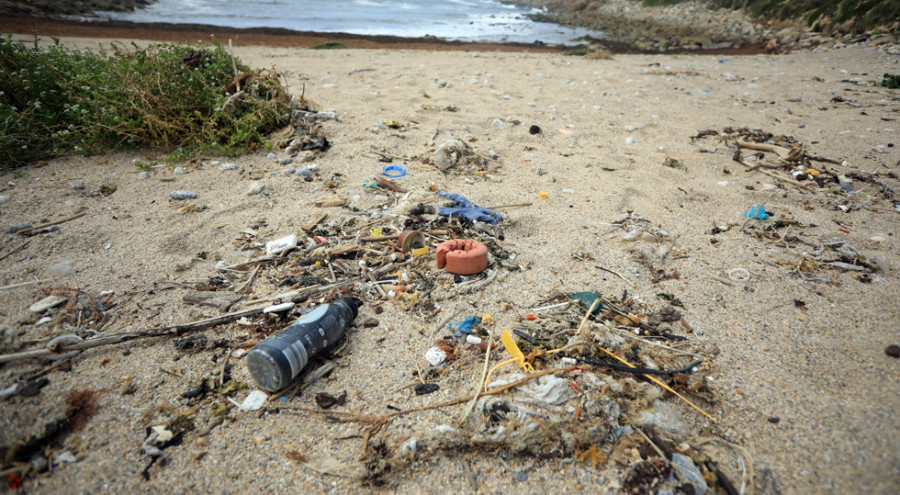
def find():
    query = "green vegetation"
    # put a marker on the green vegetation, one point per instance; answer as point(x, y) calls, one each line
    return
point(55, 101)
point(891, 81)
point(329, 45)
point(824, 15)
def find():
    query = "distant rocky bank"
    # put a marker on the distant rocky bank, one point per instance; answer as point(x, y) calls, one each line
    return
point(691, 25)
point(55, 8)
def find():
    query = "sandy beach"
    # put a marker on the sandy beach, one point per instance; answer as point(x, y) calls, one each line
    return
point(791, 333)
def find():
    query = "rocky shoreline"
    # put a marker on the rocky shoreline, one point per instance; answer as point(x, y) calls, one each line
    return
point(691, 26)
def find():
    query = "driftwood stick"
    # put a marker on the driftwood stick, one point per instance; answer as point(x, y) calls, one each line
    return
point(179, 329)
point(28, 231)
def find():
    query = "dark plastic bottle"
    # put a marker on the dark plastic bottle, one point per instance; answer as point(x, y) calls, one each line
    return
point(276, 361)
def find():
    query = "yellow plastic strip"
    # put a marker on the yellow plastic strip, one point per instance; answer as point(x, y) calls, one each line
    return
point(661, 384)
point(515, 352)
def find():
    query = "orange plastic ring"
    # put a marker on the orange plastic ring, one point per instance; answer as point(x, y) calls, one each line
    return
point(462, 256)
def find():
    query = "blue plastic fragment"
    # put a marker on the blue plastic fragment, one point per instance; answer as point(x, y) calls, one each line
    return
point(757, 212)
point(463, 208)
point(464, 327)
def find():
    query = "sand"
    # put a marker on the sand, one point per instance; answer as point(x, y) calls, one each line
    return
point(808, 352)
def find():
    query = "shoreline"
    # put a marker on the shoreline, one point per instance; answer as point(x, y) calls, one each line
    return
point(282, 37)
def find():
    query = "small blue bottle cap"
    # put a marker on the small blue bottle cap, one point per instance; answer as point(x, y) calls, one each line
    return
point(394, 171)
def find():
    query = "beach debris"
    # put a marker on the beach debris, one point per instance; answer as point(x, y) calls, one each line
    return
point(455, 153)
point(47, 303)
point(461, 207)
point(327, 401)
point(462, 256)
point(281, 245)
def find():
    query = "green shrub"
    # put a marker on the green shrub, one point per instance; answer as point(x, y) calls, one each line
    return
point(329, 45)
point(56, 101)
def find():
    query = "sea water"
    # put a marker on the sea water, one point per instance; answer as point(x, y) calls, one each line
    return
point(463, 20)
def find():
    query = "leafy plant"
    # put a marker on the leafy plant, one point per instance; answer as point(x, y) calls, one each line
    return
point(56, 100)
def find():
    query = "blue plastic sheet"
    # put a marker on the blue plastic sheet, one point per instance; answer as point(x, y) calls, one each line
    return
point(463, 208)
point(464, 327)
point(757, 212)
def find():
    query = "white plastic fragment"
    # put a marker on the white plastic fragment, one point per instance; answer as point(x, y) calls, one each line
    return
point(47, 303)
point(278, 308)
point(550, 389)
point(281, 245)
point(471, 339)
point(254, 401)
point(435, 356)
point(688, 473)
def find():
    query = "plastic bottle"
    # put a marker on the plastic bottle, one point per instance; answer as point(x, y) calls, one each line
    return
point(276, 361)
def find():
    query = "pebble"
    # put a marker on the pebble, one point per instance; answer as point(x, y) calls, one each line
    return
point(47, 303)
point(4, 198)
point(255, 189)
point(78, 186)
point(877, 238)
point(286, 161)
point(222, 264)
point(143, 175)
point(271, 156)
point(629, 140)
point(629, 128)
point(178, 171)
point(306, 173)
point(892, 350)
point(228, 166)
point(182, 195)
point(63, 269)
point(43, 321)
point(17, 227)
point(498, 124)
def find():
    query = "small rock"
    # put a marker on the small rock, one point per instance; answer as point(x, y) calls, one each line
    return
point(260, 439)
point(629, 140)
point(629, 128)
point(370, 323)
point(47, 303)
point(228, 166)
point(63, 269)
point(4, 198)
point(286, 161)
point(255, 189)
point(143, 175)
point(271, 156)
point(520, 476)
point(471, 339)
point(78, 186)
point(181, 195)
point(892, 350)
point(178, 171)
point(534, 130)
point(17, 227)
